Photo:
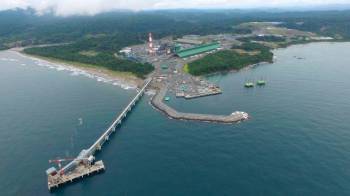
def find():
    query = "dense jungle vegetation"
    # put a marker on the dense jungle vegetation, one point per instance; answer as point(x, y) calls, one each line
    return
point(106, 33)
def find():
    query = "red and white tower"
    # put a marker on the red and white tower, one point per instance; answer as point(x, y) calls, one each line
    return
point(150, 44)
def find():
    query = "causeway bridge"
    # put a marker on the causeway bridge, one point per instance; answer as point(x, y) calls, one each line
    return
point(105, 136)
point(83, 165)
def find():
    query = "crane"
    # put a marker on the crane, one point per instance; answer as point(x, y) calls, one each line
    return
point(85, 160)
point(59, 161)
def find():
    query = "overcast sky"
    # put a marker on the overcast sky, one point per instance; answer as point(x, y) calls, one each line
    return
point(69, 7)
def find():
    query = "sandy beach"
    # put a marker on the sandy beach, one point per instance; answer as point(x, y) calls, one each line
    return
point(123, 79)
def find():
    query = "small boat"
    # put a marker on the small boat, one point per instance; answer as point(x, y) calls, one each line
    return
point(261, 82)
point(249, 84)
point(166, 98)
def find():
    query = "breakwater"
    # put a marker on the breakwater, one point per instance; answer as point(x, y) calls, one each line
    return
point(157, 102)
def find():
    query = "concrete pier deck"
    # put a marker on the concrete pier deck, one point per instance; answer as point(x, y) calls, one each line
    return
point(157, 102)
point(80, 172)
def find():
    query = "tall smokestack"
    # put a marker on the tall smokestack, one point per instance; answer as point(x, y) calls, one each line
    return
point(150, 44)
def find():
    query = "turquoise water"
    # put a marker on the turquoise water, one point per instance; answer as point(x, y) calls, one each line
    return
point(297, 141)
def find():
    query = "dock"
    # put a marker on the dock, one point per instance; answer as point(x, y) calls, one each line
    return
point(78, 173)
point(188, 96)
point(84, 164)
point(157, 102)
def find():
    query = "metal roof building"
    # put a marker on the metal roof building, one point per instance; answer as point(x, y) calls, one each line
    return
point(189, 41)
point(197, 50)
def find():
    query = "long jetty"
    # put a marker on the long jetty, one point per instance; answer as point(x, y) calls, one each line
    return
point(105, 136)
point(157, 102)
point(83, 164)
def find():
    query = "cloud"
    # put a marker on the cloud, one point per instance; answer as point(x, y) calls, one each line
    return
point(91, 7)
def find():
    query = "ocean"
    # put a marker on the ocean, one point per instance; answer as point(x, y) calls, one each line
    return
point(297, 141)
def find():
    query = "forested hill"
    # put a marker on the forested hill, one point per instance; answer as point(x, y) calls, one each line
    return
point(124, 27)
point(104, 34)
point(131, 27)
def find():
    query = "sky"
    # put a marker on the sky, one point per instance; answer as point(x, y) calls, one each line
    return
point(91, 7)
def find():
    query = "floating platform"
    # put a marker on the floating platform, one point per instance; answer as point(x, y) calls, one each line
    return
point(79, 172)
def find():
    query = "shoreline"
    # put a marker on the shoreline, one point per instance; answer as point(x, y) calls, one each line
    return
point(248, 67)
point(251, 66)
point(124, 80)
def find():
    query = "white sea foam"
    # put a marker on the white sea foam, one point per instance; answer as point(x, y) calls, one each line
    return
point(77, 72)
point(125, 87)
point(9, 59)
point(150, 92)
point(60, 68)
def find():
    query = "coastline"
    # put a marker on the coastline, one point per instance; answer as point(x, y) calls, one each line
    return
point(251, 66)
point(124, 80)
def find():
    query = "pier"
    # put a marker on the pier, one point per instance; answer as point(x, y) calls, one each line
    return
point(157, 102)
point(81, 171)
point(84, 164)
point(104, 137)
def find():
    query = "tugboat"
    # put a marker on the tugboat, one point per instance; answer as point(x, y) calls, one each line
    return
point(249, 85)
point(261, 82)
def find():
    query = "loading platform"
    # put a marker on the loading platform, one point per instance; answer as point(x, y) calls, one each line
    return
point(78, 173)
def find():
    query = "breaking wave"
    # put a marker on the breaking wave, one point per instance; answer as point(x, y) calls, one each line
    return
point(75, 71)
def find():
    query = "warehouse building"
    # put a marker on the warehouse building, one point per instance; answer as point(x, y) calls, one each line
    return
point(188, 41)
point(197, 50)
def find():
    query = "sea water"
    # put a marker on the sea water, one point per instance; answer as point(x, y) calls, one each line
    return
point(297, 141)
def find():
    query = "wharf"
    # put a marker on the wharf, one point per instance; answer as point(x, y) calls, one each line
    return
point(172, 113)
point(188, 96)
point(80, 172)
